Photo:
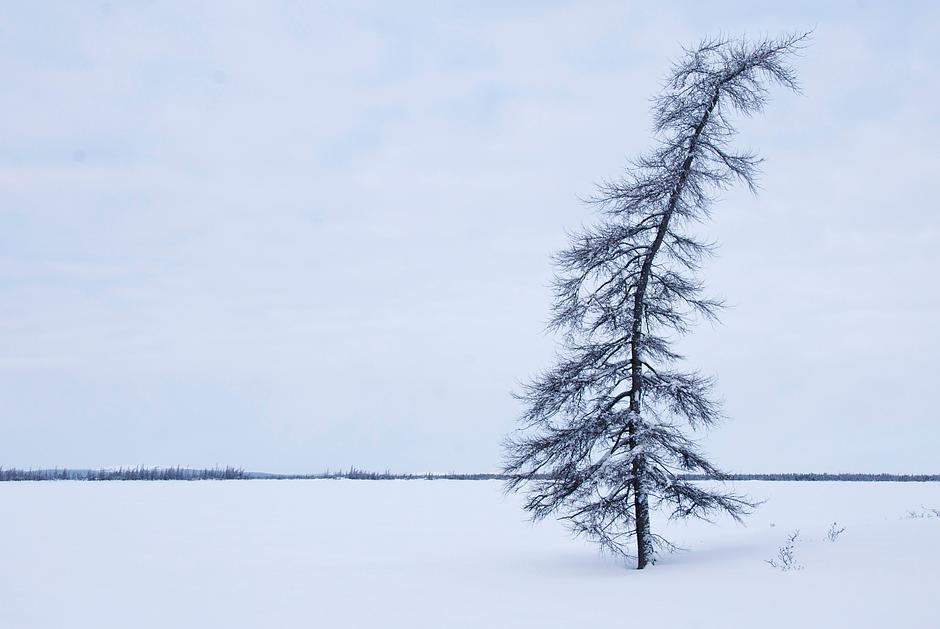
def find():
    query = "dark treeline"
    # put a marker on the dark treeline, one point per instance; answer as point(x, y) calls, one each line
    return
point(354, 473)
point(217, 473)
point(902, 478)
point(122, 473)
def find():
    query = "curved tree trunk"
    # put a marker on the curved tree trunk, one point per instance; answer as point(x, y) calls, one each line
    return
point(644, 535)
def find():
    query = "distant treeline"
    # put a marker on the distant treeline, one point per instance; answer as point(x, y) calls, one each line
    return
point(895, 478)
point(353, 473)
point(217, 473)
point(122, 473)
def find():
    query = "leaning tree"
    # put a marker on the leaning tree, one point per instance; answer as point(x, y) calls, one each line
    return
point(602, 441)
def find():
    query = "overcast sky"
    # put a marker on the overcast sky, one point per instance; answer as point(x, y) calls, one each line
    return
point(293, 235)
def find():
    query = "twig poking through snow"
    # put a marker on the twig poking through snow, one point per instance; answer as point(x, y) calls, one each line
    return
point(786, 555)
point(834, 532)
point(924, 512)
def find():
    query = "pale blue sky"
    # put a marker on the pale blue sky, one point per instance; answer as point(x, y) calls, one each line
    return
point(295, 235)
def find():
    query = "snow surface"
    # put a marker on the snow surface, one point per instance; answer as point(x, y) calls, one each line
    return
point(446, 554)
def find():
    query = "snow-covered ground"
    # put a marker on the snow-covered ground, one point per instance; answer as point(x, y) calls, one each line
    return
point(446, 554)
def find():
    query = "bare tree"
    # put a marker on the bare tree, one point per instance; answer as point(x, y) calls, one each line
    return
point(602, 439)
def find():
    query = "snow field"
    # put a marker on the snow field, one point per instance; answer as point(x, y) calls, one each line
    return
point(412, 554)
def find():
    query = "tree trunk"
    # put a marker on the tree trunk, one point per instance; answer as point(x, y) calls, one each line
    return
point(644, 536)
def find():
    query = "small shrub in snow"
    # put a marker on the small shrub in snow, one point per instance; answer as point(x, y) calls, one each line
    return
point(786, 554)
point(834, 532)
point(924, 512)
